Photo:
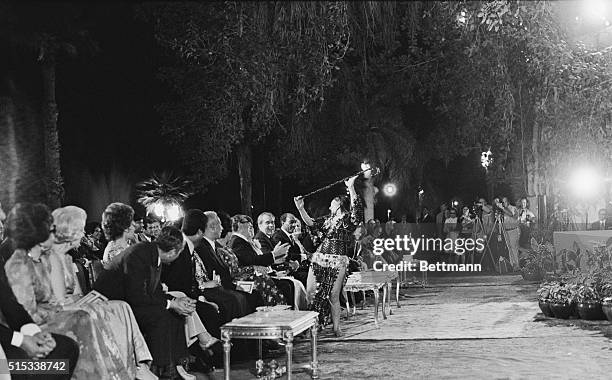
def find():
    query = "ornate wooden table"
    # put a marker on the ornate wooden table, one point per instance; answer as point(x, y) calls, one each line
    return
point(276, 324)
point(371, 281)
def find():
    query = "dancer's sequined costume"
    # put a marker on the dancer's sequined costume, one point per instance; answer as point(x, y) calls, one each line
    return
point(333, 238)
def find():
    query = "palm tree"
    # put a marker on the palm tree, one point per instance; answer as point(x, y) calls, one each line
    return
point(44, 34)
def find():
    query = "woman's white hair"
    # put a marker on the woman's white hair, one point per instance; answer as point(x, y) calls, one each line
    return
point(69, 223)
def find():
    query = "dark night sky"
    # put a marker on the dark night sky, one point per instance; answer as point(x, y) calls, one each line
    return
point(108, 117)
point(107, 100)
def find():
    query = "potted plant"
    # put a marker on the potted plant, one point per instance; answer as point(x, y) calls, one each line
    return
point(588, 303)
point(606, 300)
point(537, 261)
point(544, 298)
point(561, 300)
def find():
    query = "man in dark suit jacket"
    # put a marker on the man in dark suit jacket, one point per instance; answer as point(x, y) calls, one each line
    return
point(273, 253)
point(201, 232)
point(602, 223)
point(248, 254)
point(266, 228)
point(284, 235)
point(182, 275)
point(179, 276)
point(159, 316)
point(22, 339)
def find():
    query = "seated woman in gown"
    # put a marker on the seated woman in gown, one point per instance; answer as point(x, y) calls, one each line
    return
point(43, 280)
point(118, 227)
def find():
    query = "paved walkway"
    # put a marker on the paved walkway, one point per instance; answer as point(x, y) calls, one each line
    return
point(485, 327)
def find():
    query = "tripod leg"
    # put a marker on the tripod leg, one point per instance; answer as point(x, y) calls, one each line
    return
point(510, 252)
point(488, 248)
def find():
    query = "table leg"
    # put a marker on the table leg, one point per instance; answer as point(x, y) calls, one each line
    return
point(348, 314)
point(376, 307)
point(289, 350)
point(397, 287)
point(259, 348)
point(364, 299)
point(314, 364)
point(227, 345)
point(384, 303)
point(389, 289)
point(353, 300)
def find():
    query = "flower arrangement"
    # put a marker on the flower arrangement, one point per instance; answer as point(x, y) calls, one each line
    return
point(545, 289)
point(561, 293)
point(586, 294)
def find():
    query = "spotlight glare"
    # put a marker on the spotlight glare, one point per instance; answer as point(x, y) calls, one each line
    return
point(174, 213)
point(159, 209)
point(390, 189)
point(594, 9)
point(585, 182)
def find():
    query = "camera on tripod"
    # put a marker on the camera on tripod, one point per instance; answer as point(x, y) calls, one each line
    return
point(476, 209)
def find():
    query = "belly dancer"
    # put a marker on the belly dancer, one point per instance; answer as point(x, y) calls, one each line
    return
point(332, 235)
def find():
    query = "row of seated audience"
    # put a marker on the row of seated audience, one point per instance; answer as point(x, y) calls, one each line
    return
point(152, 287)
point(164, 291)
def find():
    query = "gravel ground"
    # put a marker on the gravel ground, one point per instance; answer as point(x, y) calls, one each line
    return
point(482, 327)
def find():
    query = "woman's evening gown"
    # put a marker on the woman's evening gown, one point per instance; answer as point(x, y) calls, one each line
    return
point(109, 339)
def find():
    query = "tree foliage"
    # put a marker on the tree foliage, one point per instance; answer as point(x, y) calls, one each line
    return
point(245, 69)
point(398, 83)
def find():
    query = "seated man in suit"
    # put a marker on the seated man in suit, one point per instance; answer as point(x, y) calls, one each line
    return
point(136, 279)
point(295, 258)
point(21, 338)
point(602, 223)
point(209, 251)
point(266, 228)
point(249, 252)
point(189, 275)
point(232, 304)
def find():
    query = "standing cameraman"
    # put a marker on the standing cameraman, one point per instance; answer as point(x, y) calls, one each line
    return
point(525, 219)
point(510, 223)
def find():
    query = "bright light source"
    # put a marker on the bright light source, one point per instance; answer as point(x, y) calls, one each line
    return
point(455, 203)
point(486, 158)
point(585, 182)
point(159, 209)
point(421, 192)
point(170, 212)
point(594, 9)
point(462, 18)
point(173, 213)
point(390, 189)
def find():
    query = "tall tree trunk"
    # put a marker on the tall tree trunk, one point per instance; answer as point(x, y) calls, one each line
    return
point(369, 192)
point(245, 162)
point(534, 190)
point(54, 182)
point(10, 162)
